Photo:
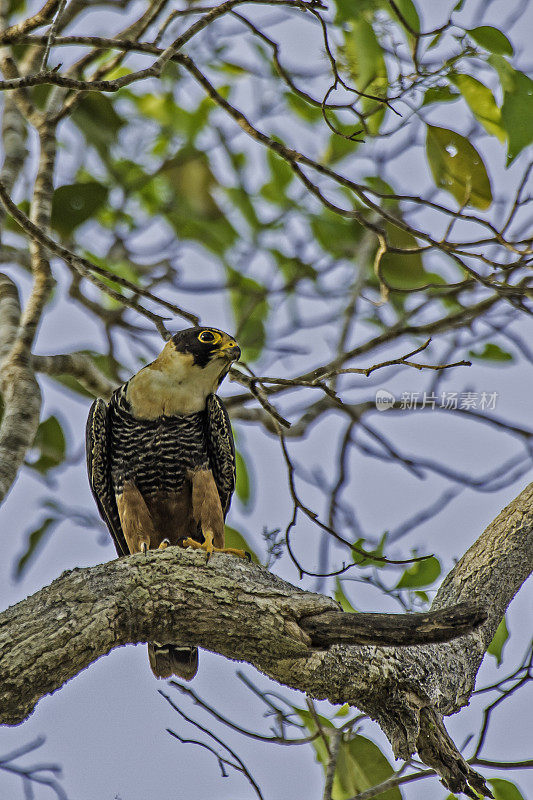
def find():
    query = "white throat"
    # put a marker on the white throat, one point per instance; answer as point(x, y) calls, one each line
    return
point(177, 387)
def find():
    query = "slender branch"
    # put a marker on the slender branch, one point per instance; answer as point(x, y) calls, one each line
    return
point(238, 765)
point(33, 774)
point(41, 18)
point(334, 744)
point(229, 724)
point(52, 34)
point(390, 783)
point(87, 268)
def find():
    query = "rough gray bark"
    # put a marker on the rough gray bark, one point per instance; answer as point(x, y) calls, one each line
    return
point(79, 366)
point(18, 385)
point(19, 390)
point(245, 613)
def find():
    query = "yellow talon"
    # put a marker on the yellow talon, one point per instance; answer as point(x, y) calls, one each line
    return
point(164, 544)
point(207, 545)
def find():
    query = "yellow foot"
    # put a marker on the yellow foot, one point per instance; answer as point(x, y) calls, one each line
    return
point(164, 544)
point(209, 548)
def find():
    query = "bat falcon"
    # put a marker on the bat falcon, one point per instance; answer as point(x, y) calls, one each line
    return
point(161, 460)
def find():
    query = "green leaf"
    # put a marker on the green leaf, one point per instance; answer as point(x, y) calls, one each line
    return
point(40, 94)
point(491, 352)
point(343, 711)
point(341, 598)
point(505, 790)
point(366, 66)
point(233, 538)
point(293, 269)
point(495, 648)
point(440, 94)
point(302, 108)
point(275, 191)
point(492, 39)
point(171, 116)
point(482, 103)
point(190, 180)
point(15, 6)
point(409, 13)
point(74, 204)
point(309, 720)
point(183, 186)
point(338, 146)
point(250, 309)
point(457, 167)
point(50, 441)
point(230, 68)
point(517, 107)
point(10, 222)
point(318, 743)
point(361, 765)
point(402, 270)
point(120, 269)
point(160, 107)
point(421, 573)
point(336, 235)
point(97, 119)
point(435, 40)
point(242, 485)
point(347, 10)
point(34, 539)
point(377, 184)
point(517, 115)
point(506, 72)
point(242, 201)
point(367, 560)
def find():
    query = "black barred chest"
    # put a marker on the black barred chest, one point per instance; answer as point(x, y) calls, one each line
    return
point(156, 455)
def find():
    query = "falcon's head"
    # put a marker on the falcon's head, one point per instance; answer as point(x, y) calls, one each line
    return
point(191, 366)
point(205, 348)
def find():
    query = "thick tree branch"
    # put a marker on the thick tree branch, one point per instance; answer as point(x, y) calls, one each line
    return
point(18, 384)
point(245, 613)
point(79, 366)
point(20, 391)
point(14, 145)
point(228, 606)
point(9, 314)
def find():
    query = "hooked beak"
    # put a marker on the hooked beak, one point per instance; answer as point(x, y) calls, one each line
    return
point(231, 351)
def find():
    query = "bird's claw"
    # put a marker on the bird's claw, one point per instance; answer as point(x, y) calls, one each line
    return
point(144, 548)
point(207, 545)
point(164, 544)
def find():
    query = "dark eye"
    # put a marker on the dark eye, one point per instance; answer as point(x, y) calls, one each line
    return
point(206, 336)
